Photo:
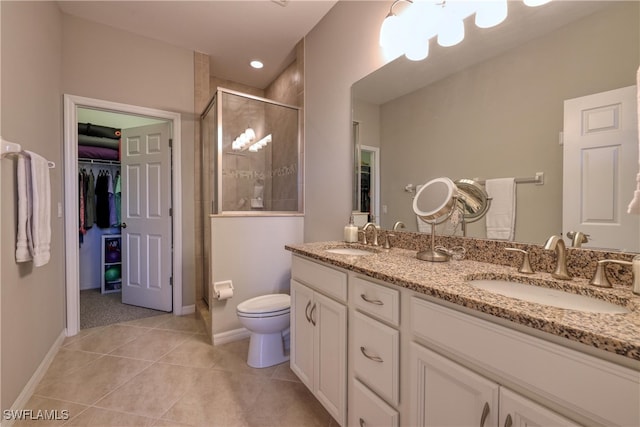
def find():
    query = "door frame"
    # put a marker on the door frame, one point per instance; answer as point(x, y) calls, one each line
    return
point(375, 181)
point(71, 240)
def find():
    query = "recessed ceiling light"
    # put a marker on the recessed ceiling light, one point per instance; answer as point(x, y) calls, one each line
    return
point(256, 64)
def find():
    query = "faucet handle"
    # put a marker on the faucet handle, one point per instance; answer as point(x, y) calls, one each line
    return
point(525, 267)
point(364, 236)
point(387, 243)
point(600, 278)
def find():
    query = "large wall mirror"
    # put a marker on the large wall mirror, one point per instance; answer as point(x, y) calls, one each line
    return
point(492, 106)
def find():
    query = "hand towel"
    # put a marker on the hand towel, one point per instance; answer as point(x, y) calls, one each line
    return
point(23, 177)
point(634, 205)
point(41, 209)
point(501, 217)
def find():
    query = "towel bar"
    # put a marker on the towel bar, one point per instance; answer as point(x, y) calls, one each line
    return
point(9, 148)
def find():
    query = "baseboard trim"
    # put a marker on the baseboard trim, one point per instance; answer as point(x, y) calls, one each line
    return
point(30, 387)
point(230, 336)
point(188, 309)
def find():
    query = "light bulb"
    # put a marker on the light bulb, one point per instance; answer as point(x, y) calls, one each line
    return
point(251, 135)
point(392, 37)
point(491, 13)
point(451, 32)
point(534, 3)
point(417, 50)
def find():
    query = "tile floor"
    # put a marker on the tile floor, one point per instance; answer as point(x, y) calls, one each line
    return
point(163, 371)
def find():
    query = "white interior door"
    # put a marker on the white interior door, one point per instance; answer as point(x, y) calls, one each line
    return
point(599, 168)
point(146, 219)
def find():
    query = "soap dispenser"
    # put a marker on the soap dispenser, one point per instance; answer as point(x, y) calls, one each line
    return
point(350, 231)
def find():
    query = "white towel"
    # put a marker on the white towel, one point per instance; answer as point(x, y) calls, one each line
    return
point(41, 209)
point(501, 217)
point(23, 251)
point(634, 205)
point(34, 210)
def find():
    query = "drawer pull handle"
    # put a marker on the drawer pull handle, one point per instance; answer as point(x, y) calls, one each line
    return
point(313, 321)
point(368, 356)
point(371, 301)
point(306, 312)
point(508, 422)
point(362, 423)
point(485, 414)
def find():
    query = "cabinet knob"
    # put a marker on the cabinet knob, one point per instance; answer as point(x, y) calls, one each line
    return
point(123, 225)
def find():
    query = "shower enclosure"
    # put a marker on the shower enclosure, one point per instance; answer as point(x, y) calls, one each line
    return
point(251, 161)
point(251, 155)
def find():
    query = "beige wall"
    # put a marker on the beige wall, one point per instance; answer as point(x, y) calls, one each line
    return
point(340, 50)
point(104, 63)
point(33, 299)
point(502, 118)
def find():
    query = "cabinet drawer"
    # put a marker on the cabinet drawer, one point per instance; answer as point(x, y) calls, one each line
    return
point(377, 300)
point(369, 410)
point(325, 279)
point(375, 349)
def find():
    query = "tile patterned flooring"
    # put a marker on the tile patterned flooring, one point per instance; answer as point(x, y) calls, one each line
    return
point(163, 371)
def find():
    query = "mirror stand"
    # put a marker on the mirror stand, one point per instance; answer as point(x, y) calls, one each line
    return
point(433, 254)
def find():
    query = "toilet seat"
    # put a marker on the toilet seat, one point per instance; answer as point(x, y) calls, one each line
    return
point(265, 306)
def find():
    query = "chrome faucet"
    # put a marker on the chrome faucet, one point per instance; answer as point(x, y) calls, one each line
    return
point(577, 238)
point(375, 233)
point(556, 243)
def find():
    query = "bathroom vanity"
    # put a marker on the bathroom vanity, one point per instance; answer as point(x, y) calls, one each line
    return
point(385, 339)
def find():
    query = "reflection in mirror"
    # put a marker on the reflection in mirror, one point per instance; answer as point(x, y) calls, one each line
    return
point(492, 106)
point(473, 202)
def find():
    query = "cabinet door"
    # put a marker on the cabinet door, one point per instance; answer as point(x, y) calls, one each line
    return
point(330, 320)
point(518, 411)
point(302, 334)
point(444, 393)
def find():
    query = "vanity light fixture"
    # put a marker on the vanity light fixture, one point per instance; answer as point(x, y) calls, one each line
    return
point(243, 140)
point(409, 31)
point(260, 144)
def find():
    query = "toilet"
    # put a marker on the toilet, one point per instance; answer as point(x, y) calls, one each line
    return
point(267, 318)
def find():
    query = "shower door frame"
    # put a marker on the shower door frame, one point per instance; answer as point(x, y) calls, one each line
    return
point(217, 194)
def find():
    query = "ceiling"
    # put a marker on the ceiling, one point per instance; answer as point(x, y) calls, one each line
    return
point(232, 33)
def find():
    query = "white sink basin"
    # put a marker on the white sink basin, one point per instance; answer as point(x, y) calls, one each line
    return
point(546, 296)
point(349, 251)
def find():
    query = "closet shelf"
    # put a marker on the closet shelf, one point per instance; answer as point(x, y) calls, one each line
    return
point(99, 161)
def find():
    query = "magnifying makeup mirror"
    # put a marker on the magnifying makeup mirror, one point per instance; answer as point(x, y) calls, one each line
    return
point(434, 203)
point(473, 201)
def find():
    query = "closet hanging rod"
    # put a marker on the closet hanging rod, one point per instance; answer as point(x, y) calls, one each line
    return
point(12, 148)
point(99, 161)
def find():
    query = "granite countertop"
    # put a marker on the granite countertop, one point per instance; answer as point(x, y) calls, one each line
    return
point(616, 333)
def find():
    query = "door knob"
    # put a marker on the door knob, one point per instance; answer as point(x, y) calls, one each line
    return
point(123, 225)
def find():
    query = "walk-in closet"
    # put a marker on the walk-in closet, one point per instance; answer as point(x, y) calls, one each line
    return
point(100, 193)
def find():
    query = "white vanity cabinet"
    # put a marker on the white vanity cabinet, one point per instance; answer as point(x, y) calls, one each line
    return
point(558, 381)
point(446, 393)
point(319, 333)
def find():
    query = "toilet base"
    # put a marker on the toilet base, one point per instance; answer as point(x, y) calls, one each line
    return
point(266, 350)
